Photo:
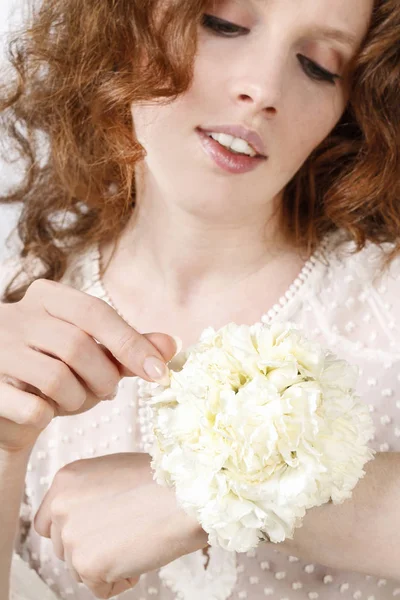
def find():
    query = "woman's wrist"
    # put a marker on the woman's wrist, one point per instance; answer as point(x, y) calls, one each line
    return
point(249, 436)
point(17, 460)
point(186, 533)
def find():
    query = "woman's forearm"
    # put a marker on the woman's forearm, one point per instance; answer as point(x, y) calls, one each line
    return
point(12, 475)
point(363, 533)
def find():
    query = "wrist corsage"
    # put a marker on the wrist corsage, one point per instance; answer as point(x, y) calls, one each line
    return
point(257, 426)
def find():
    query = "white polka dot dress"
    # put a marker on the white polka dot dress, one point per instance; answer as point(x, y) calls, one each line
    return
point(345, 301)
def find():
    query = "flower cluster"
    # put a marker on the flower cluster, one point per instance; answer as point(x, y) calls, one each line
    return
point(258, 425)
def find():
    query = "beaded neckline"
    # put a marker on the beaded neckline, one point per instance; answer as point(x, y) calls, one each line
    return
point(306, 278)
point(290, 295)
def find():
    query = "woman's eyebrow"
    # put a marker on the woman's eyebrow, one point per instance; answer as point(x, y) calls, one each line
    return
point(339, 35)
point(328, 33)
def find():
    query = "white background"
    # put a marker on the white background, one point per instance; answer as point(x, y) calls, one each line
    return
point(7, 7)
point(9, 19)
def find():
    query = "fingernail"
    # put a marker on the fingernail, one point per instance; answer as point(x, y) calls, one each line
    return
point(179, 344)
point(156, 370)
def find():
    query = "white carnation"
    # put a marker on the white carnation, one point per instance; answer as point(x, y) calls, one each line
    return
point(258, 425)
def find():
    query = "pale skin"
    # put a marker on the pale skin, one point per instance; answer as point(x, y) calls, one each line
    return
point(207, 246)
point(110, 535)
point(51, 365)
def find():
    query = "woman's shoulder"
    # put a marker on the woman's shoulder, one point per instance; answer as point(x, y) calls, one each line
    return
point(357, 296)
point(375, 267)
point(82, 271)
point(11, 267)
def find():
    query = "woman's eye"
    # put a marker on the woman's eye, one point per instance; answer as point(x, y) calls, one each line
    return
point(315, 71)
point(228, 29)
point(222, 27)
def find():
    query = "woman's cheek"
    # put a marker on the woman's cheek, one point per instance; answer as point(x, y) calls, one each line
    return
point(319, 107)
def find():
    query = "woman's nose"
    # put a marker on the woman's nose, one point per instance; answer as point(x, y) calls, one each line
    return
point(258, 88)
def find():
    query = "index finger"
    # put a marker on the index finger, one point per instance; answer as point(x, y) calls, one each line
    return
point(43, 519)
point(98, 319)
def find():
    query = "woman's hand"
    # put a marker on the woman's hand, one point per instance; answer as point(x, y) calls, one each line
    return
point(111, 522)
point(61, 352)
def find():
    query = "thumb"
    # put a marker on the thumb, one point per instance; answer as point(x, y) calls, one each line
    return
point(167, 345)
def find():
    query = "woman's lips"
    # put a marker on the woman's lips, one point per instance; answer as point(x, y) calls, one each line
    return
point(239, 131)
point(226, 159)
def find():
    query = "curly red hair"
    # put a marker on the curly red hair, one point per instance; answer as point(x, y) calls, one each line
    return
point(80, 66)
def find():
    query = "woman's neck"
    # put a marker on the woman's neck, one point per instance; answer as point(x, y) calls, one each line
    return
point(190, 257)
point(174, 272)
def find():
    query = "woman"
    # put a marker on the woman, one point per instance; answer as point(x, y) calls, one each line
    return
point(208, 162)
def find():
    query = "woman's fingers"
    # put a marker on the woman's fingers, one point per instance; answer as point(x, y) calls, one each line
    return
point(99, 589)
point(58, 545)
point(52, 377)
point(167, 346)
point(99, 320)
point(65, 350)
point(109, 590)
point(79, 351)
point(24, 408)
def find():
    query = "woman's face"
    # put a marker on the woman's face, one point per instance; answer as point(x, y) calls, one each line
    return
point(274, 69)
